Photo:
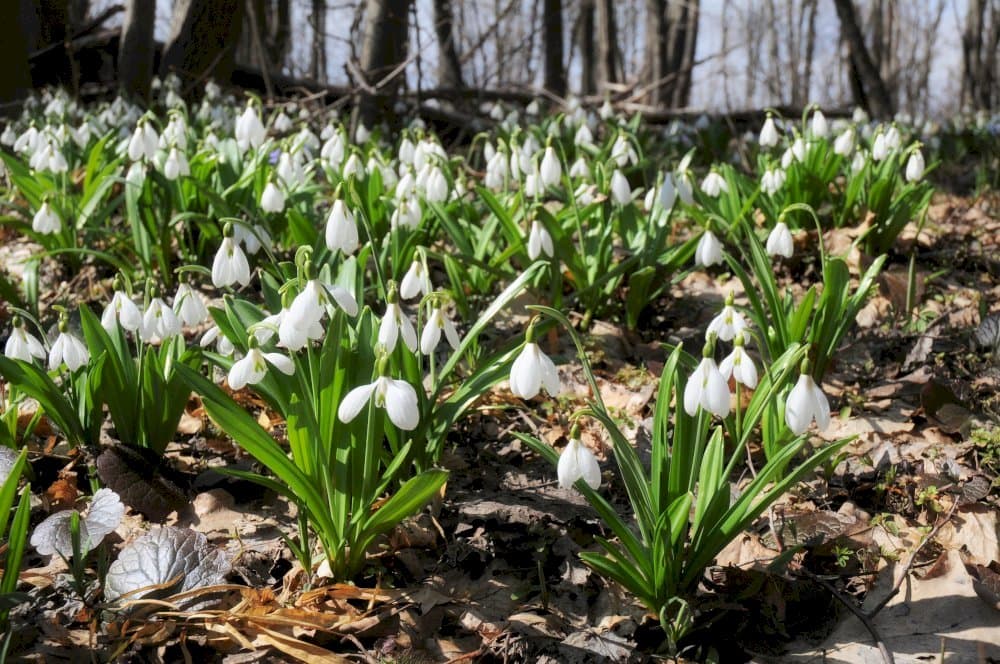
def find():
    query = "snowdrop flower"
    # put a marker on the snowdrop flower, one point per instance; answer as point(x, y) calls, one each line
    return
point(858, 162)
point(189, 306)
point(436, 186)
point(251, 369)
point(799, 149)
point(621, 192)
point(585, 194)
point(53, 535)
point(68, 350)
point(397, 397)
point(136, 174)
point(915, 166)
point(22, 345)
point(622, 152)
point(819, 126)
point(333, 150)
point(252, 237)
point(159, 322)
point(144, 142)
point(353, 167)
point(496, 171)
point(779, 241)
point(341, 230)
point(175, 165)
point(407, 214)
point(709, 250)
point(416, 281)
point(739, 365)
point(230, 265)
point(714, 184)
point(249, 130)
point(768, 133)
point(550, 169)
point(772, 181)
point(272, 200)
point(583, 136)
point(668, 192)
point(844, 143)
point(577, 462)
point(539, 241)
point(300, 323)
point(394, 324)
point(56, 162)
point(214, 335)
point(533, 184)
point(893, 139)
point(46, 221)
point(121, 311)
point(880, 148)
point(685, 190)
point(806, 402)
point(437, 322)
point(606, 111)
point(728, 323)
point(282, 124)
point(580, 169)
point(533, 370)
point(706, 388)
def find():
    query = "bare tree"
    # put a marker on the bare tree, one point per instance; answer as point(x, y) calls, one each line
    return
point(202, 39)
point(584, 41)
point(870, 90)
point(980, 58)
point(555, 74)
point(135, 50)
point(317, 63)
point(449, 66)
point(383, 50)
point(16, 80)
point(273, 21)
point(609, 68)
point(671, 36)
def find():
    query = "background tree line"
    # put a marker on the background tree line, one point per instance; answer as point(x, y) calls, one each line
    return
point(641, 54)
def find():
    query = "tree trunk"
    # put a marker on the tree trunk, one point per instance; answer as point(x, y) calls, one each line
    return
point(555, 74)
point(318, 63)
point(585, 40)
point(449, 66)
point(607, 40)
point(202, 40)
point(682, 37)
point(16, 80)
point(655, 58)
point(870, 89)
point(135, 50)
point(383, 49)
point(810, 6)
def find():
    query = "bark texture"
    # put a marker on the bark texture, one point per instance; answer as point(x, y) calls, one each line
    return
point(383, 49)
point(135, 50)
point(202, 41)
point(555, 73)
point(870, 90)
point(449, 71)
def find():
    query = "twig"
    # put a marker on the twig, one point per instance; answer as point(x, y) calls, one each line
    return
point(858, 613)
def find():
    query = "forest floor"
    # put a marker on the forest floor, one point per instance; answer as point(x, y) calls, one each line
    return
point(904, 530)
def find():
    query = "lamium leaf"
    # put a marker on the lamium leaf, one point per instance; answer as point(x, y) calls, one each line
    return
point(165, 560)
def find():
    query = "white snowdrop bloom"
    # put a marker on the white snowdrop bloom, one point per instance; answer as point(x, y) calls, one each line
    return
point(706, 388)
point(844, 143)
point(514, 163)
point(362, 134)
point(22, 345)
point(341, 229)
point(294, 330)
point(533, 108)
point(136, 175)
point(121, 311)
point(253, 238)
point(709, 250)
point(26, 141)
point(496, 172)
point(685, 189)
point(880, 148)
point(580, 169)
point(436, 187)
point(137, 144)
point(798, 149)
point(772, 181)
point(282, 123)
point(779, 241)
point(531, 371)
point(309, 307)
point(46, 221)
point(251, 369)
point(159, 322)
point(249, 130)
point(288, 170)
point(786, 158)
point(550, 169)
point(575, 462)
point(175, 133)
point(622, 152)
point(539, 241)
point(175, 165)
point(667, 192)
point(806, 402)
point(819, 127)
point(768, 133)
point(353, 167)
point(727, 323)
point(395, 323)
point(416, 282)
point(189, 306)
point(437, 322)
point(606, 111)
point(893, 139)
point(583, 136)
point(230, 265)
point(214, 335)
point(714, 184)
point(740, 366)
point(585, 194)
point(533, 184)
point(333, 150)
point(858, 162)
point(406, 187)
point(397, 397)
point(272, 199)
point(56, 162)
point(8, 137)
point(53, 536)
point(915, 166)
point(407, 214)
point(406, 150)
point(621, 192)
point(68, 349)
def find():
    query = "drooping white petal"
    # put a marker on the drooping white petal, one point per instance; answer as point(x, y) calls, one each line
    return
point(525, 373)
point(354, 402)
point(281, 362)
point(401, 404)
point(575, 462)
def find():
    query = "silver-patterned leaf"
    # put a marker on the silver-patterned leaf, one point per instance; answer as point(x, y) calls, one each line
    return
point(53, 535)
point(105, 513)
point(8, 458)
point(179, 556)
